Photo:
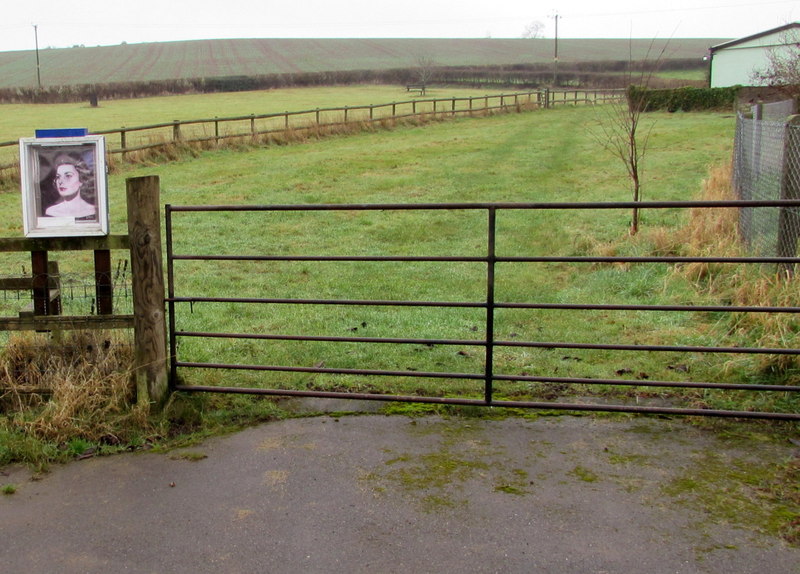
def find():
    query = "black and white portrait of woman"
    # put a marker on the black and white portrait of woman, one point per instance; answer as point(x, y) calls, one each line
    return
point(73, 179)
point(64, 186)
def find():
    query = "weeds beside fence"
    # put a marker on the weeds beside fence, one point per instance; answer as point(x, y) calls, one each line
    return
point(135, 143)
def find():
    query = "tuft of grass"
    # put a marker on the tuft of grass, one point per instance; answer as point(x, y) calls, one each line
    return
point(8, 489)
point(584, 474)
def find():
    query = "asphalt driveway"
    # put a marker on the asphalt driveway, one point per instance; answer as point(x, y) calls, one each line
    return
point(375, 494)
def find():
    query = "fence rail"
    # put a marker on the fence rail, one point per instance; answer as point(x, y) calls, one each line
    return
point(44, 287)
point(126, 140)
point(488, 305)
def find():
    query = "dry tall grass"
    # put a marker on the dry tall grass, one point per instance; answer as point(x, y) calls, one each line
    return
point(713, 232)
point(76, 385)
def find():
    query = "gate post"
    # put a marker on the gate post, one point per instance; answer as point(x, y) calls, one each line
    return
point(149, 322)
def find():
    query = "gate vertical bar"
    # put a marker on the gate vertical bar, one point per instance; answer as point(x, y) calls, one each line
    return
point(173, 344)
point(490, 265)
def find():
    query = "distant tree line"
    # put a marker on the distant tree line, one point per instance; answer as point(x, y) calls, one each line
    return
point(614, 74)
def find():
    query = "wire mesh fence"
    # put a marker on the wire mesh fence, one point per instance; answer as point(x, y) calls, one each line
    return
point(767, 167)
point(76, 291)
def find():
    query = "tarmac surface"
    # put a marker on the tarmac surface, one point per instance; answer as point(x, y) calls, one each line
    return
point(377, 494)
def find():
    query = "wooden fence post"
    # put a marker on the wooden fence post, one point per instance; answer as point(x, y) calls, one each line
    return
point(103, 284)
point(176, 130)
point(149, 321)
point(41, 292)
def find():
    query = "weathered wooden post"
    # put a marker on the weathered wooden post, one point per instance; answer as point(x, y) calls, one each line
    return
point(149, 321)
point(41, 293)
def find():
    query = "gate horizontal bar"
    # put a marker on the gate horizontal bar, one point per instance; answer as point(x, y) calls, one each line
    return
point(375, 372)
point(353, 302)
point(649, 383)
point(677, 348)
point(510, 378)
point(480, 343)
point(484, 206)
point(265, 337)
point(478, 305)
point(476, 259)
point(633, 409)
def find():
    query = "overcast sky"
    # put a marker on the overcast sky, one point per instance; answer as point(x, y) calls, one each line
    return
point(107, 22)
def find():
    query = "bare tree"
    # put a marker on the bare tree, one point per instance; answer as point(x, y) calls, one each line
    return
point(783, 65)
point(622, 132)
point(534, 29)
point(425, 68)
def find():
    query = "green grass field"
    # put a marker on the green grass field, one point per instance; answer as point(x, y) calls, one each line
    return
point(20, 120)
point(249, 57)
point(545, 156)
point(536, 156)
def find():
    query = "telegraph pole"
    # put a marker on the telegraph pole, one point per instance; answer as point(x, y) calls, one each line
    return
point(555, 53)
point(38, 69)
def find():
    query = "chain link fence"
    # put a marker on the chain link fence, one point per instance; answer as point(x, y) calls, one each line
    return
point(767, 167)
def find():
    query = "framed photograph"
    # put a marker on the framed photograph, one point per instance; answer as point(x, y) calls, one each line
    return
point(64, 190)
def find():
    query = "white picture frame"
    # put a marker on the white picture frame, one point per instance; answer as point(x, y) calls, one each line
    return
point(64, 186)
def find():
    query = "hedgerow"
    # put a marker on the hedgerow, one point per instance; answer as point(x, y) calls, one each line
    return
point(684, 99)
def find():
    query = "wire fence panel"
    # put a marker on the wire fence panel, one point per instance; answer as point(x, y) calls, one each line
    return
point(767, 167)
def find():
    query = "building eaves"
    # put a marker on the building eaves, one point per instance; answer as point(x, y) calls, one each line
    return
point(737, 41)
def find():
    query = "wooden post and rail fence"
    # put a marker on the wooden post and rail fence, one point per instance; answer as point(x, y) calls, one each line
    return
point(148, 321)
point(126, 140)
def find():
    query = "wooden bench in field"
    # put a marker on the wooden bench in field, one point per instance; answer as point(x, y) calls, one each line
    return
point(416, 88)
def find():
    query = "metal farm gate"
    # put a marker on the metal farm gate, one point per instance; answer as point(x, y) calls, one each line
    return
point(480, 323)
